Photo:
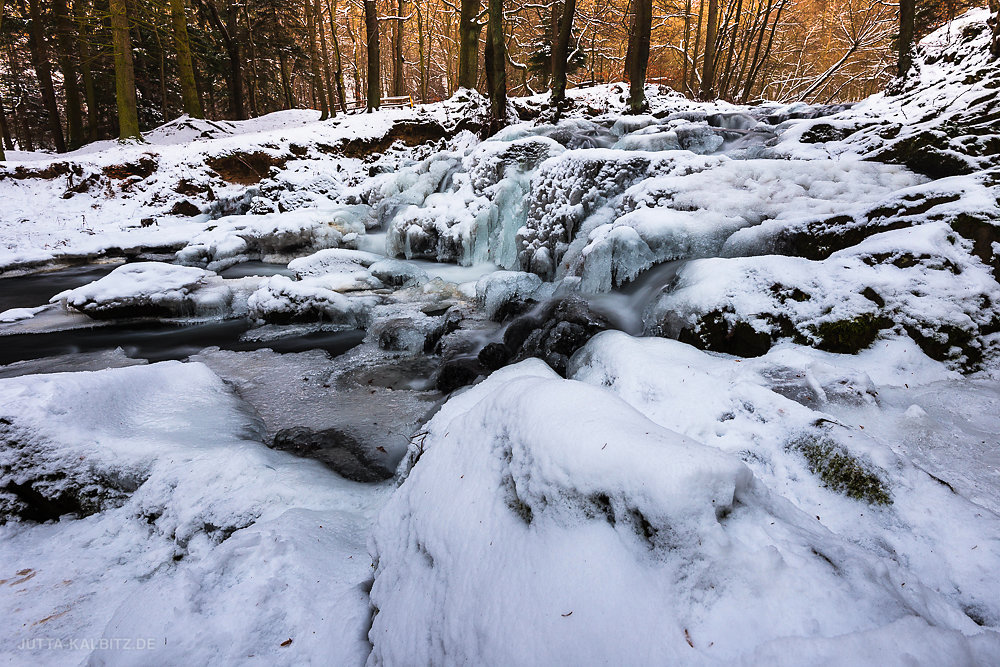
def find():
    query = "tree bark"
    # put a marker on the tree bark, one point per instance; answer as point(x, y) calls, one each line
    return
point(128, 112)
point(190, 101)
point(318, 84)
point(638, 54)
point(40, 59)
point(231, 43)
point(338, 63)
point(327, 77)
point(468, 36)
point(496, 67)
point(374, 70)
point(560, 53)
point(82, 10)
point(711, 35)
point(65, 51)
point(398, 83)
point(907, 14)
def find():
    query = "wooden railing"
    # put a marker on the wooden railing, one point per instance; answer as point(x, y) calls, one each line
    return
point(387, 103)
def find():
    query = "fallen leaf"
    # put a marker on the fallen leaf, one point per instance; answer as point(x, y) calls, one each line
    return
point(687, 636)
point(287, 642)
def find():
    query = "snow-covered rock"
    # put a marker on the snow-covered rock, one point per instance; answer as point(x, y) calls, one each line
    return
point(922, 279)
point(151, 289)
point(498, 290)
point(606, 537)
point(181, 516)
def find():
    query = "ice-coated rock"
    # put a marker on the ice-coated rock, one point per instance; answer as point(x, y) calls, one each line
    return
point(497, 291)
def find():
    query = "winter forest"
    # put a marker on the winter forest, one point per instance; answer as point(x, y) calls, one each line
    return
point(448, 332)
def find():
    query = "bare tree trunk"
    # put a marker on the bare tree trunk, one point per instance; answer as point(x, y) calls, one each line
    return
point(327, 77)
point(40, 58)
point(128, 112)
point(318, 82)
point(687, 43)
point(560, 53)
point(398, 84)
point(468, 36)
point(338, 71)
point(711, 34)
point(185, 69)
point(230, 40)
point(420, 53)
point(907, 14)
point(374, 70)
point(697, 46)
point(638, 54)
point(496, 67)
point(81, 9)
point(65, 51)
point(5, 140)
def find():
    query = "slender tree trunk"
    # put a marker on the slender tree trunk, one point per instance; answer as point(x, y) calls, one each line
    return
point(5, 140)
point(398, 82)
point(711, 35)
point(82, 11)
point(314, 65)
point(496, 67)
point(374, 71)
point(128, 113)
point(286, 86)
point(66, 49)
point(327, 77)
point(560, 53)
point(697, 47)
point(687, 42)
point(40, 58)
point(638, 53)
point(422, 85)
point(907, 14)
point(338, 71)
point(468, 52)
point(185, 69)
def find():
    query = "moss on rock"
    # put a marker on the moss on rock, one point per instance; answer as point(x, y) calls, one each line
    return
point(842, 471)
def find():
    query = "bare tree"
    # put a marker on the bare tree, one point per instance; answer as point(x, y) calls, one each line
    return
point(374, 72)
point(468, 35)
point(560, 53)
point(128, 108)
point(907, 14)
point(496, 67)
point(637, 58)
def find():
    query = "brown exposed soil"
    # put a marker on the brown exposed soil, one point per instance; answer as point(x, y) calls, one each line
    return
point(245, 168)
point(143, 168)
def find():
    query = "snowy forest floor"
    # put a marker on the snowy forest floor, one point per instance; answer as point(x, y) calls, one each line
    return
point(714, 384)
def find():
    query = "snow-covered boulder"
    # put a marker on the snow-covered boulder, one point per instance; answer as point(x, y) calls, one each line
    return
point(151, 289)
point(923, 280)
point(281, 300)
point(338, 269)
point(171, 514)
point(397, 273)
point(274, 237)
point(605, 537)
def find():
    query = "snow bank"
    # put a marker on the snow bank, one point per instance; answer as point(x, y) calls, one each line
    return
point(605, 537)
point(182, 516)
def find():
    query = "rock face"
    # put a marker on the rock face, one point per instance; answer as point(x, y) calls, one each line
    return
point(335, 449)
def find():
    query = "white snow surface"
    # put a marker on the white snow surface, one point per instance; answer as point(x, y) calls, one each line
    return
point(610, 536)
point(214, 548)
